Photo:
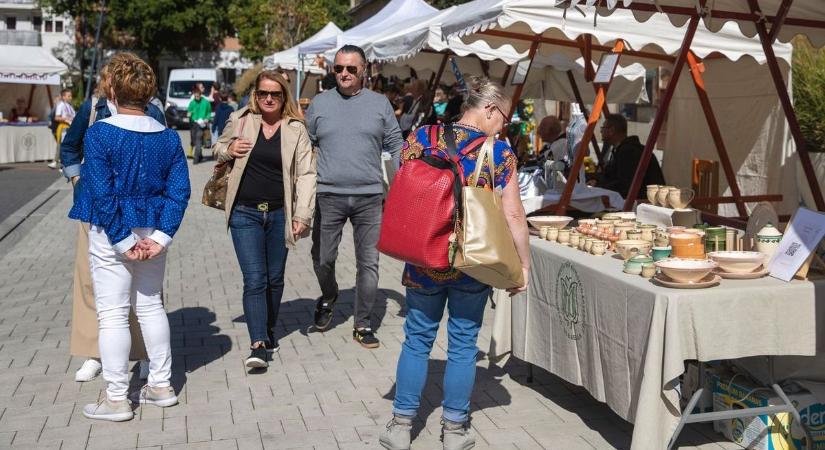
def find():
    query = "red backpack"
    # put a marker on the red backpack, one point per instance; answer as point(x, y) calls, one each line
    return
point(423, 205)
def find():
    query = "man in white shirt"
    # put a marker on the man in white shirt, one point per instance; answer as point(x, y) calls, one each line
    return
point(63, 115)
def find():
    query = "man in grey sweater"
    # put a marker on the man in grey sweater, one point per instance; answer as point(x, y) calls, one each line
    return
point(351, 127)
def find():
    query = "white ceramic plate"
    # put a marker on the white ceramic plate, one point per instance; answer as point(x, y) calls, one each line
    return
point(761, 272)
point(709, 281)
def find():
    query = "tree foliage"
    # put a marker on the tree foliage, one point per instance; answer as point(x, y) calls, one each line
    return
point(809, 92)
point(267, 26)
point(153, 26)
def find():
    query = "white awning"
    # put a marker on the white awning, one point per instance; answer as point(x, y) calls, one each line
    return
point(805, 17)
point(397, 11)
point(657, 35)
point(289, 59)
point(29, 65)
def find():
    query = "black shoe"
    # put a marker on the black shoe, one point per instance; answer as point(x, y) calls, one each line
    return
point(365, 337)
point(272, 348)
point(257, 359)
point(323, 313)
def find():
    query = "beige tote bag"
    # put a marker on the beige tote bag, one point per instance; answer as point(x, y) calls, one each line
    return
point(486, 250)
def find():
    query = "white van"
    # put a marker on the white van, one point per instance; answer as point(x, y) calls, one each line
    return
point(179, 92)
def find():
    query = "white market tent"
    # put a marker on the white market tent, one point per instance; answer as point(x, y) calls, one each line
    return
point(397, 11)
point(771, 21)
point(289, 59)
point(530, 23)
point(22, 68)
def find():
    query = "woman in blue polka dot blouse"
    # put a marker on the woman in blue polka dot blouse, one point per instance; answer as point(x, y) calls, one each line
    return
point(133, 190)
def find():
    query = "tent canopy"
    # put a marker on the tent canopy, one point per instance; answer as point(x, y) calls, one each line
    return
point(289, 59)
point(805, 17)
point(397, 11)
point(29, 65)
point(656, 36)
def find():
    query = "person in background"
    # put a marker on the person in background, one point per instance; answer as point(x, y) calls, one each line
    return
point(270, 201)
point(623, 158)
point(84, 335)
point(328, 82)
point(222, 112)
point(63, 115)
point(413, 103)
point(21, 111)
point(439, 104)
point(351, 127)
point(134, 194)
point(554, 146)
point(430, 291)
point(232, 100)
point(200, 113)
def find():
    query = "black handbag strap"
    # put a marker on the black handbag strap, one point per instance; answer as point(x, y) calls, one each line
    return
point(449, 139)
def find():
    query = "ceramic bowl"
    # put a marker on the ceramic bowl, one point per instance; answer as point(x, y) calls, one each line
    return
point(629, 248)
point(738, 262)
point(623, 215)
point(549, 221)
point(686, 270)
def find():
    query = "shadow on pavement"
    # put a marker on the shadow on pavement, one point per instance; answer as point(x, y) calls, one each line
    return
point(487, 379)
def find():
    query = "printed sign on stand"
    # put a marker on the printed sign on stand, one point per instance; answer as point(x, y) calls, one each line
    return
point(802, 236)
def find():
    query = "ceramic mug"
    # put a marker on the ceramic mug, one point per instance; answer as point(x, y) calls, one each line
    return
point(652, 189)
point(647, 232)
point(574, 239)
point(598, 248)
point(588, 244)
point(552, 234)
point(633, 265)
point(680, 198)
point(633, 235)
point(543, 232)
point(660, 253)
point(661, 195)
point(564, 236)
point(648, 270)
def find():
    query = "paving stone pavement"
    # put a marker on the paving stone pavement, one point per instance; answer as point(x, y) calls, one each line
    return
point(321, 391)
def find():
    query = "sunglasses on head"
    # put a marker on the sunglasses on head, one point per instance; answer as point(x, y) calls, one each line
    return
point(353, 70)
point(276, 95)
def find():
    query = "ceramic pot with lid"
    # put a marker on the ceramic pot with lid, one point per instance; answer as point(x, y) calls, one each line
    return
point(767, 240)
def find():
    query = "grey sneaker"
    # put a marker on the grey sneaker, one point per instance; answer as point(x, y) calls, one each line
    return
point(158, 396)
point(456, 435)
point(114, 411)
point(397, 434)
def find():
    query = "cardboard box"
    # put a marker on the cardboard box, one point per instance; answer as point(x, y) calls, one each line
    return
point(778, 432)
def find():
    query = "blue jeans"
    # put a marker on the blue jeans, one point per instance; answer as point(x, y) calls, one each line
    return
point(260, 246)
point(465, 305)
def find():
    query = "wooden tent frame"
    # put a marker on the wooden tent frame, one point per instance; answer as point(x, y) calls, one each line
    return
point(685, 57)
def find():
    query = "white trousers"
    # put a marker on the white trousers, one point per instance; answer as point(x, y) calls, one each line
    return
point(116, 281)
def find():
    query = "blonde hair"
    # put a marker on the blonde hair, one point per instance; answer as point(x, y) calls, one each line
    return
point(289, 110)
point(132, 80)
point(481, 92)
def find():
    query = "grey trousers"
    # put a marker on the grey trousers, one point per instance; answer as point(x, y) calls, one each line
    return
point(331, 214)
point(196, 135)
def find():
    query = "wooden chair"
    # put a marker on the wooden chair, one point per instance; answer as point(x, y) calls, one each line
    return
point(705, 183)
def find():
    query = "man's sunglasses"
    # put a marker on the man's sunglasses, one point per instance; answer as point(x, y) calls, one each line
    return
point(276, 95)
point(353, 70)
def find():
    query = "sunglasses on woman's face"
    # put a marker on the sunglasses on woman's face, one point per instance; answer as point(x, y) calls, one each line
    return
point(353, 70)
point(276, 95)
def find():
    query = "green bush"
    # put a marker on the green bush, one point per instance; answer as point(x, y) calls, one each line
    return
point(809, 92)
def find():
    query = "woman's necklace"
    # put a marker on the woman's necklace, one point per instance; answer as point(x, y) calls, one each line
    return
point(461, 124)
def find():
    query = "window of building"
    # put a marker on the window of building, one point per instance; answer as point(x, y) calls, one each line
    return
point(11, 23)
point(47, 28)
point(58, 26)
point(37, 22)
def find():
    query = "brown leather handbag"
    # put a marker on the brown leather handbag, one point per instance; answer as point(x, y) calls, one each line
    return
point(214, 193)
point(486, 250)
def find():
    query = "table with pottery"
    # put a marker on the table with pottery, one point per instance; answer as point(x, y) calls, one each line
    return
point(26, 142)
point(618, 306)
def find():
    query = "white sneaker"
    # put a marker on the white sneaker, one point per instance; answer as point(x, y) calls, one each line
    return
point(114, 411)
point(144, 369)
point(52, 165)
point(88, 371)
point(163, 397)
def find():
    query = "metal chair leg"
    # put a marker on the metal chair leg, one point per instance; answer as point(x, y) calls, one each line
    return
point(686, 413)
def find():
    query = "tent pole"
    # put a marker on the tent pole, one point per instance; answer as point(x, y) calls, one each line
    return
point(520, 88)
point(601, 95)
point(49, 92)
point(31, 96)
point(579, 99)
point(781, 15)
point(589, 71)
point(787, 106)
point(696, 70)
point(440, 72)
point(658, 121)
point(506, 76)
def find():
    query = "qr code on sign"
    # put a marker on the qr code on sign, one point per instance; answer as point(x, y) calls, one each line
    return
point(793, 248)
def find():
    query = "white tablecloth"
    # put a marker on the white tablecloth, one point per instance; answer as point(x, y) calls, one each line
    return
point(585, 198)
point(665, 217)
point(26, 142)
point(625, 339)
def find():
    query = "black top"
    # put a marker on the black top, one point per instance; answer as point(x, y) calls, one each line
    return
point(620, 167)
point(263, 178)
